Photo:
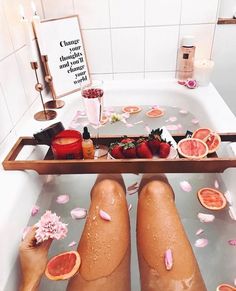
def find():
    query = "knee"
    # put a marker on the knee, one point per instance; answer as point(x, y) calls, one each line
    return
point(108, 187)
point(154, 189)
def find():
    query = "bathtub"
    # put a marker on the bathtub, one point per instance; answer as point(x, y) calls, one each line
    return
point(22, 189)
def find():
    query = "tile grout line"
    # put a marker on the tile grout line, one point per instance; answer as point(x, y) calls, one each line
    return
point(112, 62)
point(144, 37)
point(178, 42)
point(215, 26)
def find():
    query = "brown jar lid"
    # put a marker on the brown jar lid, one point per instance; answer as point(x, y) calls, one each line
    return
point(46, 135)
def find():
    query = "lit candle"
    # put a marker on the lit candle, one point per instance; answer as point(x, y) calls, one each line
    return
point(38, 31)
point(28, 36)
point(202, 71)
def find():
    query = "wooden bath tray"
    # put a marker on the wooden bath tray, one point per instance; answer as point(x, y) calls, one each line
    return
point(211, 164)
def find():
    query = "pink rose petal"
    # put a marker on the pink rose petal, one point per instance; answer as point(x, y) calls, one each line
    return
point(73, 243)
point(129, 125)
point(216, 184)
point(172, 118)
point(200, 231)
point(78, 213)
point(179, 126)
point(168, 259)
point(232, 213)
point(195, 121)
point(104, 215)
point(183, 111)
point(63, 199)
point(201, 243)
point(205, 218)
point(172, 127)
point(232, 242)
point(138, 122)
point(35, 210)
point(130, 207)
point(185, 186)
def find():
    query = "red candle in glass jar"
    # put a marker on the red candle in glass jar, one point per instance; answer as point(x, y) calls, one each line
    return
point(67, 145)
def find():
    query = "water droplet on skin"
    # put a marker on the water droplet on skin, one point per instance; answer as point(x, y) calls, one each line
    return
point(113, 201)
point(94, 217)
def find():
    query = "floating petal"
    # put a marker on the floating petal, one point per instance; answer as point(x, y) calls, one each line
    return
point(201, 243)
point(172, 118)
point(205, 218)
point(35, 210)
point(104, 215)
point(129, 125)
point(63, 199)
point(138, 122)
point(168, 259)
point(216, 184)
point(73, 243)
point(200, 231)
point(130, 207)
point(78, 213)
point(185, 186)
point(172, 127)
point(232, 242)
point(183, 111)
point(179, 126)
point(195, 121)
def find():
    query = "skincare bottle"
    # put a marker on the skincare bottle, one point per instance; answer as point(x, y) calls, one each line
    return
point(87, 145)
point(186, 54)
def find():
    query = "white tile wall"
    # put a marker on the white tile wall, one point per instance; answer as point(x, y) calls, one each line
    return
point(123, 39)
point(227, 8)
point(93, 14)
point(162, 12)
point(128, 49)
point(127, 13)
point(160, 48)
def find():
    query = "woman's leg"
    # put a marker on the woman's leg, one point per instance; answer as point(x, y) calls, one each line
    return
point(159, 228)
point(104, 246)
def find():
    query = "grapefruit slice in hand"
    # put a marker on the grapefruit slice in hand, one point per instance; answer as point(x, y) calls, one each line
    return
point(212, 139)
point(131, 109)
point(211, 199)
point(63, 266)
point(192, 148)
point(155, 112)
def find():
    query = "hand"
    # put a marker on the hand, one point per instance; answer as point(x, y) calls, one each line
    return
point(33, 260)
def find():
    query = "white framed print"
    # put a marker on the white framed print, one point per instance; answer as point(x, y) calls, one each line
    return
point(66, 58)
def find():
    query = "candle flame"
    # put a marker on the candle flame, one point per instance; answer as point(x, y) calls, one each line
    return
point(33, 7)
point(22, 12)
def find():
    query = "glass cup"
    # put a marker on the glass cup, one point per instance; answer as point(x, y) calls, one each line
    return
point(93, 95)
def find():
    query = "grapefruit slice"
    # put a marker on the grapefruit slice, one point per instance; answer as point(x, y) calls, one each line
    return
point(225, 287)
point(192, 148)
point(202, 133)
point(155, 112)
point(131, 109)
point(212, 139)
point(63, 266)
point(211, 199)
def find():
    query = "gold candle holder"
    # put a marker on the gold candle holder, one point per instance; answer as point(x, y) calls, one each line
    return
point(45, 114)
point(53, 104)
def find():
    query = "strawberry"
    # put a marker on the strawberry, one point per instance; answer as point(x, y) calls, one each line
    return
point(154, 140)
point(164, 149)
point(127, 140)
point(143, 150)
point(129, 150)
point(116, 150)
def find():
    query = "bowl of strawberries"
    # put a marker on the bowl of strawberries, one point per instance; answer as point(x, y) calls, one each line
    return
point(149, 147)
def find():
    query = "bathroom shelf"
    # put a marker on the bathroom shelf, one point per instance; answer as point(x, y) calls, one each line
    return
point(226, 21)
point(211, 164)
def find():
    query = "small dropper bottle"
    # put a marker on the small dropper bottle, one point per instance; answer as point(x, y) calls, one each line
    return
point(87, 145)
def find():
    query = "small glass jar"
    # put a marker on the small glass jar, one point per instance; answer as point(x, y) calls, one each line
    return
point(67, 145)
